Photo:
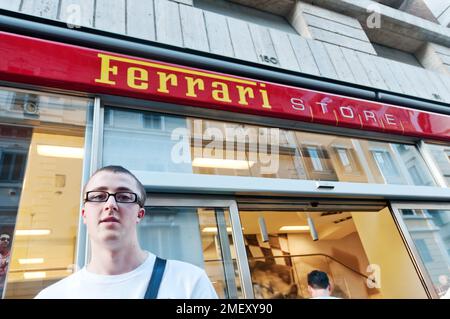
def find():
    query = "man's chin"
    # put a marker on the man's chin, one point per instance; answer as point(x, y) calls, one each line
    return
point(109, 237)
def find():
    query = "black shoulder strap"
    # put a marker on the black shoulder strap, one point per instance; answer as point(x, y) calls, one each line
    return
point(155, 279)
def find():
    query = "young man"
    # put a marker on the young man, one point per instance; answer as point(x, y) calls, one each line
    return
point(319, 285)
point(113, 206)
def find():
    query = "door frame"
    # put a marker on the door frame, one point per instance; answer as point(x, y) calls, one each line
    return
point(182, 200)
point(409, 243)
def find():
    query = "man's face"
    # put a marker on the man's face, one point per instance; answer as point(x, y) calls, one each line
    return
point(111, 223)
point(4, 240)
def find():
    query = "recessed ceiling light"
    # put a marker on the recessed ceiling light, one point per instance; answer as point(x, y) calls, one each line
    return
point(60, 151)
point(294, 228)
point(221, 163)
point(25, 261)
point(34, 274)
point(32, 232)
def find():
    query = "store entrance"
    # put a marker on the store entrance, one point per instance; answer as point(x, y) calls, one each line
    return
point(264, 247)
point(285, 239)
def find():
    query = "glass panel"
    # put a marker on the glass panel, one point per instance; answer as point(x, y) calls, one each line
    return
point(430, 232)
point(194, 235)
point(441, 154)
point(396, 163)
point(125, 130)
point(42, 142)
point(313, 153)
point(293, 243)
point(196, 146)
point(344, 157)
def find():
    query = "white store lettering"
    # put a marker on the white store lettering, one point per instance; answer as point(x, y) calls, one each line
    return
point(324, 106)
point(370, 114)
point(390, 119)
point(297, 104)
point(347, 112)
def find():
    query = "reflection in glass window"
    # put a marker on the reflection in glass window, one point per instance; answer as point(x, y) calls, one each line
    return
point(416, 171)
point(318, 163)
point(200, 146)
point(12, 166)
point(191, 234)
point(441, 155)
point(423, 250)
point(153, 121)
point(315, 159)
point(42, 140)
point(417, 178)
point(430, 232)
point(344, 158)
point(125, 136)
point(386, 166)
point(347, 161)
point(408, 212)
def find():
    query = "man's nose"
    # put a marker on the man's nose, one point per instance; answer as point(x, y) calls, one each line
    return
point(111, 203)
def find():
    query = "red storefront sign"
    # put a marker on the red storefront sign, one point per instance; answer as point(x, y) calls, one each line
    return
point(53, 64)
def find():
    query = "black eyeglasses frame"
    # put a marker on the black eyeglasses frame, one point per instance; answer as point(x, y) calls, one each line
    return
point(136, 197)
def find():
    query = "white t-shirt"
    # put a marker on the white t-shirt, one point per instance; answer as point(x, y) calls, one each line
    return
point(446, 295)
point(180, 281)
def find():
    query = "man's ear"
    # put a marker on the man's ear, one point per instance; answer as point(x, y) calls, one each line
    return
point(141, 214)
point(83, 214)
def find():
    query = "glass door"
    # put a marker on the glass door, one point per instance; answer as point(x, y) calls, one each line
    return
point(288, 238)
point(426, 231)
point(202, 231)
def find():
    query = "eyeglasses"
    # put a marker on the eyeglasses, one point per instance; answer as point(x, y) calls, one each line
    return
point(4, 239)
point(120, 197)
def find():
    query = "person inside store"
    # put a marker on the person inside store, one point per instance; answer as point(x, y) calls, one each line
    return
point(119, 268)
point(5, 253)
point(319, 285)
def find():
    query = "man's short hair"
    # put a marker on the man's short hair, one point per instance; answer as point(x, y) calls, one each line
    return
point(119, 169)
point(318, 279)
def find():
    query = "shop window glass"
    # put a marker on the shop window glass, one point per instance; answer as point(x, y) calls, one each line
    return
point(430, 231)
point(42, 142)
point(413, 171)
point(344, 157)
point(386, 166)
point(315, 159)
point(441, 155)
point(191, 234)
point(423, 250)
point(12, 166)
point(128, 142)
point(407, 212)
point(200, 146)
point(395, 163)
point(153, 121)
point(318, 163)
point(409, 158)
